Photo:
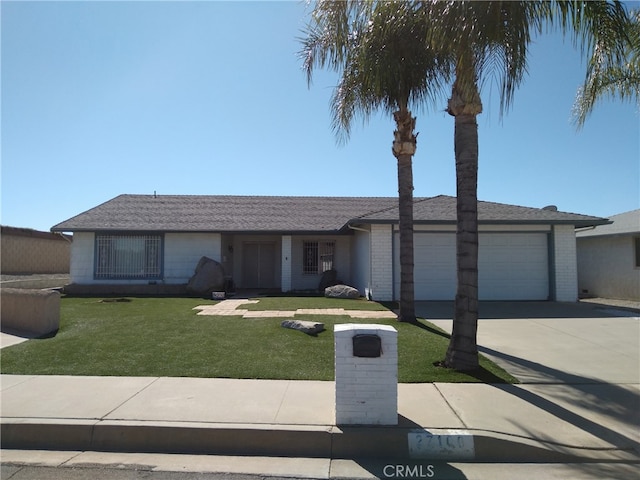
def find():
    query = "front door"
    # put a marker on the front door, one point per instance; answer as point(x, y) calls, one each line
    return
point(258, 265)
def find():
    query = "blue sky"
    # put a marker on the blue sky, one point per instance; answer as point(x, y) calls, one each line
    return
point(104, 98)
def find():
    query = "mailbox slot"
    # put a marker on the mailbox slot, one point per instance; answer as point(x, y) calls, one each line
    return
point(367, 345)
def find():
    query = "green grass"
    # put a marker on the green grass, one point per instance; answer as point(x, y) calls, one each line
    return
point(293, 303)
point(165, 337)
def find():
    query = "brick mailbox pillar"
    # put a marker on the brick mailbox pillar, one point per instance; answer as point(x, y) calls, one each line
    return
point(366, 365)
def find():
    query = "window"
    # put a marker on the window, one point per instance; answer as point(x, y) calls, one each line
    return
point(128, 256)
point(317, 257)
point(636, 244)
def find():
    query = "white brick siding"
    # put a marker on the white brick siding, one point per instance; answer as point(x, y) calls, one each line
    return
point(381, 262)
point(341, 261)
point(366, 388)
point(565, 268)
point(360, 261)
point(82, 248)
point(286, 263)
point(182, 251)
point(606, 267)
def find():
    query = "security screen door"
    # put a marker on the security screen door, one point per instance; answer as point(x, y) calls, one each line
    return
point(258, 265)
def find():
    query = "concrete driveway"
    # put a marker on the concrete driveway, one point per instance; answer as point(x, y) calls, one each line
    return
point(553, 342)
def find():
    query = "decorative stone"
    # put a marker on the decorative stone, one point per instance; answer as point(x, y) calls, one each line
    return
point(310, 328)
point(208, 277)
point(328, 279)
point(341, 291)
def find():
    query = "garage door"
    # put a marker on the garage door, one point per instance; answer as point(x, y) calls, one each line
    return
point(511, 266)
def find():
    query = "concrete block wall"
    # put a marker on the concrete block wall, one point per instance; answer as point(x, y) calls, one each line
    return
point(366, 388)
point(565, 263)
point(381, 287)
point(30, 251)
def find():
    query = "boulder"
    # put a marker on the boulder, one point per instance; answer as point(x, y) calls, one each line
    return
point(341, 291)
point(310, 328)
point(208, 277)
point(329, 278)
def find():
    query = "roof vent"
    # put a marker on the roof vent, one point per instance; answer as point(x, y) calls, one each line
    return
point(550, 208)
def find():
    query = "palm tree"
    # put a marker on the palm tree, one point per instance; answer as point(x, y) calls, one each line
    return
point(486, 38)
point(613, 79)
point(393, 54)
point(380, 53)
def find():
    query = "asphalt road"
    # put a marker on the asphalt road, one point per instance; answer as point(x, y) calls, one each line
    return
point(468, 471)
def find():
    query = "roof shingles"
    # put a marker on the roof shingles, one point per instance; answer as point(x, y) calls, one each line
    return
point(223, 213)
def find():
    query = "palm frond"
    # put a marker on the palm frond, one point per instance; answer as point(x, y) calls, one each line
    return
point(608, 75)
point(379, 50)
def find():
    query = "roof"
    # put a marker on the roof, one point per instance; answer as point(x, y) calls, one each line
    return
point(622, 224)
point(442, 209)
point(224, 213)
point(31, 233)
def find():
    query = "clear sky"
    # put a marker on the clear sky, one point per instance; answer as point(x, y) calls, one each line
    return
point(104, 98)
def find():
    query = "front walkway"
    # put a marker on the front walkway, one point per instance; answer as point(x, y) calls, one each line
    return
point(230, 308)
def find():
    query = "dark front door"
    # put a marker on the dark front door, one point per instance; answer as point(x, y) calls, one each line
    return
point(259, 265)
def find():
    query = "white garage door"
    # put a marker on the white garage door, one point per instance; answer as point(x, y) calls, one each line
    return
point(511, 266)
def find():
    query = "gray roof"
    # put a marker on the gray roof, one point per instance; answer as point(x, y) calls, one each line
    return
point(622, 224)
point(223, 213)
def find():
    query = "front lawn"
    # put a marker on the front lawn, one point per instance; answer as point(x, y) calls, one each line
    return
point(164, 337)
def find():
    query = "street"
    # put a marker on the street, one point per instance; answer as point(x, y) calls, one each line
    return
point(361, 470)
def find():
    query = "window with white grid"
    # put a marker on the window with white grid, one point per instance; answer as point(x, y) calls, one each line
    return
point(128, 256)
point(317, 257)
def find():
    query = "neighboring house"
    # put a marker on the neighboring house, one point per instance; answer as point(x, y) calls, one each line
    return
point(609, 258)
point(28, 251)
point(285, 243)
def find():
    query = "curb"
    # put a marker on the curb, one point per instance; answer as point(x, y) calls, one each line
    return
point(305, 441)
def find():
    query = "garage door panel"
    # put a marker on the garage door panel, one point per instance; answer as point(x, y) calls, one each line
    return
point(435, 266)
point(511, 266)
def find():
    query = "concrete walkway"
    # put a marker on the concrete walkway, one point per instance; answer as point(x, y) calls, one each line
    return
point(232, 308)
point(530, 423)
point(579, 402)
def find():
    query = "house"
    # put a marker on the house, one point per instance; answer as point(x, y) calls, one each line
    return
point(609, 258)
point(286, 243)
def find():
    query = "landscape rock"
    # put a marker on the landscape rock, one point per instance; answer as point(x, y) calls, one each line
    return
point(208, 277)
point(310, 328)
point(329, 278)
point(341, 291)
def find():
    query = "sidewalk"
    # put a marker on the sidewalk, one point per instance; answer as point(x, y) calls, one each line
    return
point(515, 423)
point(581, 405)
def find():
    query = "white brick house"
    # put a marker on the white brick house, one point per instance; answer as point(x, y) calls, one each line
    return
point(609, 258)
point(285, 243)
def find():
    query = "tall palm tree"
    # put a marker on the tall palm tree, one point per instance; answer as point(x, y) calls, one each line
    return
point(486, 40)
point(491, 38)
point(613, 79)
point(380, 53)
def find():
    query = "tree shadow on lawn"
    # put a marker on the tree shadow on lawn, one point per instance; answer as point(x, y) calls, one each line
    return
point(481, 374)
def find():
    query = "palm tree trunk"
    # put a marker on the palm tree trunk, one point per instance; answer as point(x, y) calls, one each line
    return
point(404, 146)
point(462, 353)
